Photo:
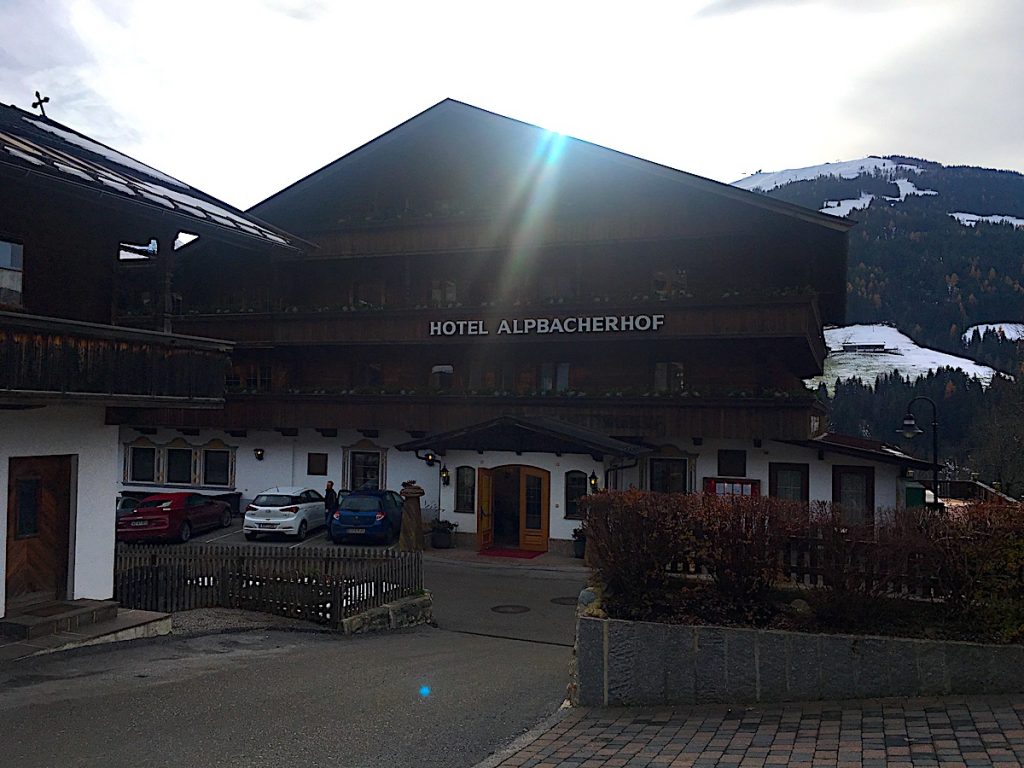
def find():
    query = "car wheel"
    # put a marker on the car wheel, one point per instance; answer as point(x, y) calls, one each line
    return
point(185, 532)
point(250, 536)
point(303, 528)
point(225, 519)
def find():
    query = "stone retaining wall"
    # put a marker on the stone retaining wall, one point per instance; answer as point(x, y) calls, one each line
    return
point(407, 612)
point(626, 663)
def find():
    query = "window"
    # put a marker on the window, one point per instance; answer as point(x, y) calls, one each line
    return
point(365, 472)
point(216, 467)
point(668, 377)
point(533, 517)
point(554, 377)
point(465, 489)
point(258, 378)
point(788, 481)
point(441, 377)
point(725, 486)
point(316, 463)
point(575, 489)
point(670, 281)
point(853, 489)
point(28, 494)
point(142, 465)
point(442, 292)
point(732, 463)
point(11, 270)
point(668, 475)
point(179, 465)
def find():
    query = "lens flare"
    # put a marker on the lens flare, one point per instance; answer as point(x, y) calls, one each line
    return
point(424, 691)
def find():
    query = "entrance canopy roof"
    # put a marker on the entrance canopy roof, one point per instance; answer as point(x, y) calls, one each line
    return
point(526, 434)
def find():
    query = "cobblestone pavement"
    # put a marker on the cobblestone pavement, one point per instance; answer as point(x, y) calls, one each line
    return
point(891, 733)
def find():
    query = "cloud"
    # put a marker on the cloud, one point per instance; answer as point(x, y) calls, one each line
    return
point(300, 10)
point(727, 7)
point(955, 97)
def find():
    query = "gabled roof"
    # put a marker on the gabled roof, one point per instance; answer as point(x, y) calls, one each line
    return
point(453, 109)
point(41, 147)
point(526, 434)
point(862, 448)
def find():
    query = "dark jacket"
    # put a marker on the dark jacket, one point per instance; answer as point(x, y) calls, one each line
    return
point(331, 500)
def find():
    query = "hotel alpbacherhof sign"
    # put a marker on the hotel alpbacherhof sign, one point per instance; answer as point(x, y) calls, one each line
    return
point(546, 325)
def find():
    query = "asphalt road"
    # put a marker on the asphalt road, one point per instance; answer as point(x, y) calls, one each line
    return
point(302, 699)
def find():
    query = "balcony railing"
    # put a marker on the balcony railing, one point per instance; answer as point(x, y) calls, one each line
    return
point(44, 359)
point(784, 417)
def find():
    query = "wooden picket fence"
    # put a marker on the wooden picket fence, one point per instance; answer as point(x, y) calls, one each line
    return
point(319, 584)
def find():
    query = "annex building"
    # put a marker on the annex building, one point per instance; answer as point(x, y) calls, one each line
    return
point(74, 213)
point(512, 318)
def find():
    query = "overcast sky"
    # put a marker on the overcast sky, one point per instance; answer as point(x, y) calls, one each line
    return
point(242, 97)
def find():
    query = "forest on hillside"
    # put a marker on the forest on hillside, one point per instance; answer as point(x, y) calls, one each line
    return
point(981, 430)
point(913, 265)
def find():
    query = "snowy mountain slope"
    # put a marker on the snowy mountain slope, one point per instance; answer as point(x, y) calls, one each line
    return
point(972, 219)
point(848, 169)
point(902, 356)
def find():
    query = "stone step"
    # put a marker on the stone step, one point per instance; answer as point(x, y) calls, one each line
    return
point(58, 616)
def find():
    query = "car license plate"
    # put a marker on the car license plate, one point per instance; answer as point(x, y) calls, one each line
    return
point(267, 525)
point(356, 530)
point(139, 522)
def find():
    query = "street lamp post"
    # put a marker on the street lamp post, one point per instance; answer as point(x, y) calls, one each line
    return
point(910, 430)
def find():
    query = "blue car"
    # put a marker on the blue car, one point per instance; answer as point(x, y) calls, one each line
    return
point(367, 515)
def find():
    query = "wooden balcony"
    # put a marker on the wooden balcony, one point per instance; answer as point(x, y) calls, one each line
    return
point(47, 360)
point(782, 417)
point(791, 324)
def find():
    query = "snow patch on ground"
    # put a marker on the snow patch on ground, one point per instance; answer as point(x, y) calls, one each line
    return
point(846, 207)
point(908, 188)
point(849, 169)
point(1011, 331)
point(911, 360)
point(970, 219)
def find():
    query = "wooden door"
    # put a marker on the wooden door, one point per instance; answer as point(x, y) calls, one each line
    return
point(534, 509)
point(38, 520)
point(485, 509)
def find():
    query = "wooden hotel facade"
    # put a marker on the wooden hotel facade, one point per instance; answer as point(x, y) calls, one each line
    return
point(541, 315)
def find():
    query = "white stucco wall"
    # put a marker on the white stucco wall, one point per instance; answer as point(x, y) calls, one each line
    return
point(285, 463)
point(79, 432)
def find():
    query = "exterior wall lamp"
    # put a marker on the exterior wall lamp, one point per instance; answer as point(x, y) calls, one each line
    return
point(593, 481)
point(910, 430)
point(446, 476)
point(259, 453)
point(430, 457)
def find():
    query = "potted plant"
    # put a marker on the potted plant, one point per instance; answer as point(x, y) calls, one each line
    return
point(441, 533)
point(579, 542)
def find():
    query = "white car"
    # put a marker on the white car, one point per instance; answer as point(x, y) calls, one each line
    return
point(291, 510)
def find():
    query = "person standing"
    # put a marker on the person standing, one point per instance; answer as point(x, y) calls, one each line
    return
point(330, 504)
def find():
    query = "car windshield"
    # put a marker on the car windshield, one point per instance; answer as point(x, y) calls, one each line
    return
point(126, 505)
point(361, 504)
point(274, 500)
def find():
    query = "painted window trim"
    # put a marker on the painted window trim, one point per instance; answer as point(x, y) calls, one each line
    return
point(586, 491)
point(472, 485)
point(197, 474)
point(805, 478)
point(710, 485)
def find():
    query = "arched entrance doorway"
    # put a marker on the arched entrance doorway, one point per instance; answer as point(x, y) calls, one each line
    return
point(513, 507)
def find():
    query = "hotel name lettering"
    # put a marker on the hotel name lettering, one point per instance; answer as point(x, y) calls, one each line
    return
point(541, 325)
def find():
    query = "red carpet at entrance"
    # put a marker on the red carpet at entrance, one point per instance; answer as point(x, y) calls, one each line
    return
point(520, 553)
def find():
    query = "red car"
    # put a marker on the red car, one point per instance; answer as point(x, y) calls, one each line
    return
point(172, 517)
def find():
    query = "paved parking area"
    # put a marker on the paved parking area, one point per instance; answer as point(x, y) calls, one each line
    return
point(892, 733)
point(233, 535)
